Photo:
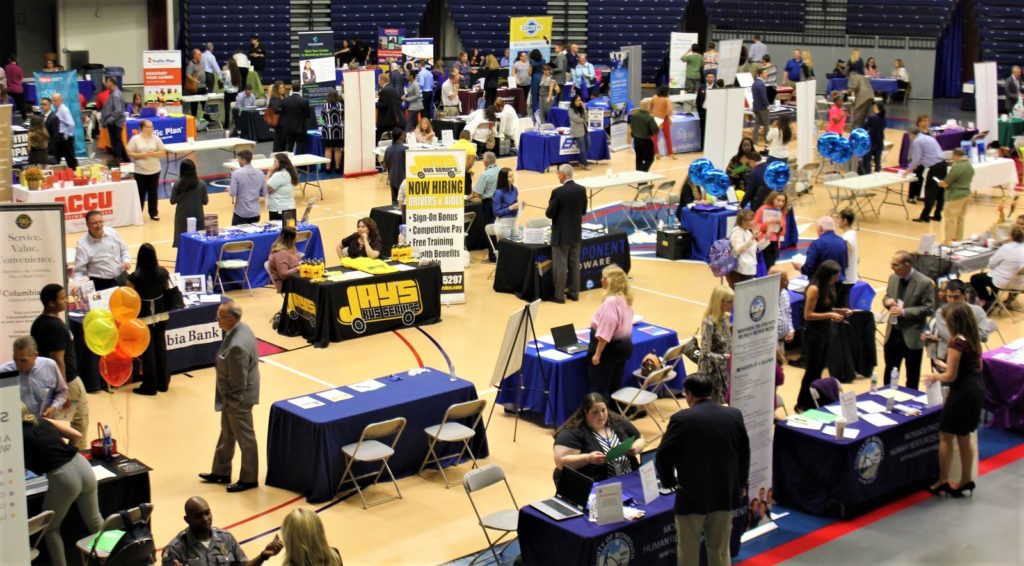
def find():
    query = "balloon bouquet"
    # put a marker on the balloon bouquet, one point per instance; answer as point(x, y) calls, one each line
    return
point(840, 150)
point(716, 181)
point(117, 335)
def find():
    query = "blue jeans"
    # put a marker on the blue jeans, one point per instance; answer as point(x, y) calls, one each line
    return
point(583, 143)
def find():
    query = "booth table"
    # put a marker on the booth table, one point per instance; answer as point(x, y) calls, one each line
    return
point(559, 117)
point(249, 124)
point(410, 297)
point(539, 151)
point(1004, 386)
point(554, 388)
point(198, 254)
point(388, 220)
point(456, 125)
point(470, 99)
point(170, 129)
point(1009, 129)
point(118, 201)
point(85, 87)
point(814, 472)
point(949, 139)
point(999, 173)
point(685, 132)
point(708, 224)
point(304, 445)
point(861, 297)
point(176, 152)
point(525, 269)
point(887, 86)
point(310, 163)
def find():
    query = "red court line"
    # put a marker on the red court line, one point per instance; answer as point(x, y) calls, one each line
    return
point(416, 354)
point(836, 530)
point(262, 513)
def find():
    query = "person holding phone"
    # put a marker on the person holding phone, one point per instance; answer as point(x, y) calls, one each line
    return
point(202, 543)
point(281, 181)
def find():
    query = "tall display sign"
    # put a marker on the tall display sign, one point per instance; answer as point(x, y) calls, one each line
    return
point(434, 208)
point(13, 505)
point(6, 153)
point(986, 97)
point(806, 128)
point(752, 391)
point(360, 100)
point(64, 83)
point(418, 48)
point(618, 93)
point(161, 79)
point(678, 46)
point(635, 65)
point(729, 59)
point(389, 45)
point(725, 124)
point(316, 67)
point(527, 33)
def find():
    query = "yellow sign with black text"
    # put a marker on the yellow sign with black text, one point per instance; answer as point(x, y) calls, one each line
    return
point(375, 302)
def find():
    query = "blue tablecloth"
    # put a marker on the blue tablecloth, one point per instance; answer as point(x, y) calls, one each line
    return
point(538, 152)
point(816, 473)
point(84, 87)
point(706, 226)
point(861, 297)
point(887, 86)
point(170, 129)
point(566, 380)
point(314, 144)
point(559, 117)
point(197, 254)
point(304, 445)
point(948, 139)
point(685, 130)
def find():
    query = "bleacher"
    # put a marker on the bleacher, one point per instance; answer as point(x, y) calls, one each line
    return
point(229, 28)
point(350, 21)
point(776, 15)
point(484, 25)
point(909, 18)
point(613, 24)
point(1001, 27)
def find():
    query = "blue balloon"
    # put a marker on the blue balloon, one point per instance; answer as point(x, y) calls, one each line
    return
point(699, 168)
point(826, 142)
point(860, 142)
point(716, 183)
point(776, 175)
point(842, 152)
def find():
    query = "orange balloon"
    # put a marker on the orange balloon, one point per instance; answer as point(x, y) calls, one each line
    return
point(125, 304)
point(116, 368)
point(133, 337)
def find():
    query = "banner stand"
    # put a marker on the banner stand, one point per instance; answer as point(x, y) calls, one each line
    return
point(435, 210)
point(360, 128)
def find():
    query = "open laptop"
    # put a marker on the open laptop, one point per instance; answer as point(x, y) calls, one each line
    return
point(566, 340)
point(570, 498)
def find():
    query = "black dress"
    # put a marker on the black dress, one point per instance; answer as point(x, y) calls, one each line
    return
point(815, 349)
point(188, 204)
point(156, 375)
point(962, 410)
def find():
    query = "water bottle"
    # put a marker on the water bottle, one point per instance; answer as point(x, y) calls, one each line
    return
point(592, 506)
point(894, 378)
point(874, 382)
point(108, 443)
point(209, 284)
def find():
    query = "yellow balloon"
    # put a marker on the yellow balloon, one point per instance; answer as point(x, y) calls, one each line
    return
point(133, 337)
point(96, 313)
point(125, 304)
point(739, 195)
point(101, 336)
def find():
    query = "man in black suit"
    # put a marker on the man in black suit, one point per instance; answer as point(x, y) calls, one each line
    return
point(702, 96)
point(295, 112)
point(706, 452)
point(389, 106)
point(566, 208)
point(52, 126)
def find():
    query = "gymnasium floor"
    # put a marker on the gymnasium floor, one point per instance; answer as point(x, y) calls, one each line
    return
point(175, 432)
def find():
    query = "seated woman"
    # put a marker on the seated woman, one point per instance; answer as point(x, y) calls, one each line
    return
point(506, 204)
point(136, 106)
point(284, 257)
point(424, 132)
point(1006, 270)
point(737, 169)
point(364, 242)
point(589, 434)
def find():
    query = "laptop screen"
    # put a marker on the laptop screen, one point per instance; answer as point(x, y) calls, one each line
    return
point(574, 487)
point(564, 336)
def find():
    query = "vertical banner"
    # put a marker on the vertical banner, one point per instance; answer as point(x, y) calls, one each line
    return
point(316, 67)
point(13, 504)
point(677, 47)
point(435, 205)
point(161, 79)
point(618, 94)
point(7, 152)
point(635, 66)
point(806, 127)
point(65, 83)
point(986, 96)
point(527, 33)
point(389, 45)
point(360, 131)
point(725, 124)
point(33, 257)
point(729, 59)
point(752, 390)
point(419, 48)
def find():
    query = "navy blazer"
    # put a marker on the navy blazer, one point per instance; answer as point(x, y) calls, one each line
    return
point(828, 246)
point(566, 208)
point(760, 92)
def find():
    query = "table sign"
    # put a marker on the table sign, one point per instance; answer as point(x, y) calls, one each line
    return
point(608, 504)
point(649, 482)
point(848, 404)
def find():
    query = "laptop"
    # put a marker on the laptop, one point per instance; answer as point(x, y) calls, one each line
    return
point(566, 340)
point(570, 498)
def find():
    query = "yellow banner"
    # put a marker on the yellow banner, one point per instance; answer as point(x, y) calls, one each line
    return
point(529, 29)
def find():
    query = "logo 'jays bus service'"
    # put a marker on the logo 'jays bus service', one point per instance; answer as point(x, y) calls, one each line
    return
point(299, 306)
point(434, 166)
point(378, 302)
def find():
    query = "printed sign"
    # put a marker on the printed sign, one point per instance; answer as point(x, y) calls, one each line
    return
point(316, 67)
point(679, 45)
point(435, 205)
point(161, 79)
point(418, 48)
point(528, 33)
point(389, 45)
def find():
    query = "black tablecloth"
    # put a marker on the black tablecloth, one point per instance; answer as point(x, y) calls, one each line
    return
point(388, 220)
point(455, 125)
point(470, 99)
point(315, 310)
point(525, 269)
point(249, 124)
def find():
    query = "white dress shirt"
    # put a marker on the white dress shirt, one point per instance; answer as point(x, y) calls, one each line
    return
point(102, 258)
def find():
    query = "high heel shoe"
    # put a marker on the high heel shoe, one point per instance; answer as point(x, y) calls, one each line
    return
point(940, 489)
point(968, 487)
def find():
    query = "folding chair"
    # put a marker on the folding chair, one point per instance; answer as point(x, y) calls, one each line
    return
point(213, 111)
point(672, 358)
point(491, 237)
point(370, 450)
point(38, 525)
point(635, 399)
point(825, 390)
point(638, 204)
point(780, 404)
point(993, 328)
point(505, 520)
point(1006, 298)
point(302, 237)
point(87, 545)
point(662, 199)
point(451, 431)
point(266, 266)
point(467, 222)
point(242, 247)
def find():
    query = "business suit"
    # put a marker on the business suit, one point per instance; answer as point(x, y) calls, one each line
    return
point(52, 125)
point(1012, 93)
point(389, 110)
point(238, 389)
point(761, 112)
point(566, 208)
point(295, 112)
point(918, 296)
point(860, 88)
point(702, 96)
point(707, 450)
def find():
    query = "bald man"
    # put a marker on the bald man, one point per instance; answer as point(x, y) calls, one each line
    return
point(65, 145)
point(645, 129)
point(202, 544)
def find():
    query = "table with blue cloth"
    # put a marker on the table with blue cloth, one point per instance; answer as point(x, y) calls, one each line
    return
point(389, 219)
point(887, 86)
point(861, 297)
point(814, 472)
point(192, 336)
point(85, 88)
point(313, 144)
point(198, 254)
point(539, 151)
point(708, 223)
point(554, 388)
point(685, 132)
point(559, 117)
point(304, 445)
point(948, 139)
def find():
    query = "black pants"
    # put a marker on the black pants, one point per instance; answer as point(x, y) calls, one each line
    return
point(101, 284)
point(875, 155)
point(606, 377)
point(292, 140)
point(428, 103)
point(19, 104)
point(148, 190)
point(394, 192)
point(703, 114)
point(116, 143)
point(229, 97)
point(934, 195)
point(915, 186)
point(278, 139)
point(66, 150)
point(843, 294)
point(279, 215)
point(771, 254)
point(490, 94)
point(816, 357)
point(644, 150)
point(413, 120)
point(236, 219)
point(896, 351)
point(984, 287)
point(155, 374)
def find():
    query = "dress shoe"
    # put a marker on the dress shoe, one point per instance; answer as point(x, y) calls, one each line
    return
point(798, 363)
point(241, 486)
point(937, 218)
point(156, 218)
point(967, 487)
point(143, 391)
point(573, 298)
point(558, 301)
point(924, 220)
point(940, 489)
point(214, 478)
point(912, 200)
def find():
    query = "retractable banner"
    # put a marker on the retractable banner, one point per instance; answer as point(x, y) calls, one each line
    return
point(419, 48)
point(316, 67)
point(389, 45)
point(64, 83)
point(619, 94)
point(13, 504)
point(678, 46)
point(435, 206)
point(527, 33)
point(161, 79)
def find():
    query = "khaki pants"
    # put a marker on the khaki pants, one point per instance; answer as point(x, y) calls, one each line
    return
point(77, 411)
point(954, 214)
point(716, 528)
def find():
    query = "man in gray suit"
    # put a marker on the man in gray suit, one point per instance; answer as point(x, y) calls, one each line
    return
point(238, 389)
point(559, 64)
point(1012, 89)
point(864, 95)
point(910, 298)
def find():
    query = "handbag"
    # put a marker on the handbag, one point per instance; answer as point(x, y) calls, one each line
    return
point(271, 117)
point(650, 363)
point(692, 350)
point(172, 299)
point(191, 84)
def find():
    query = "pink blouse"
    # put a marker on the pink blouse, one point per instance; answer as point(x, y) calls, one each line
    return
point(613, 319)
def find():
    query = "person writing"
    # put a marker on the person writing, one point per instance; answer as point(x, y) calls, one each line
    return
point(284, 257)
point(611, 332)
point(819, 313)
point(582, 442)
point(281, 180)
point(716, 342)
point(364, 242)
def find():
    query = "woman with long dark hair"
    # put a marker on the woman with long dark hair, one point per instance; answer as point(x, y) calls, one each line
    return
point(819, 313)
point(536, 72)
point(150, 281)
point(579, 128)
point(189, 194)
point(284, 257)
point(737, 170)
point(38, 141)
point(583, 440)
point(364, 242)
point(333, 131)
point(506, 204)
point(277, 95)
point(281, 182)
point(779, 135)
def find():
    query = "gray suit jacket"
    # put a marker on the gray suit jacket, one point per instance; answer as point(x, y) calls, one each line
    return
point(558, 68)
point(238, 372)
point(918, 305)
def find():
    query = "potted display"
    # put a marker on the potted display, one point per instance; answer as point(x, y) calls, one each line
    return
point(32, 177)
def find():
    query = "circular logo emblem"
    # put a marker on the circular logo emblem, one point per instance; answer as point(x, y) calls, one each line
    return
point(23, 221)
point(531, 27)
point(615, 550)
point(590, 283)
point(757, 308)
point(869, 460)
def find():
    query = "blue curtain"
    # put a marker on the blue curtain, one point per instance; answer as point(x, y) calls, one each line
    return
point(948, 56)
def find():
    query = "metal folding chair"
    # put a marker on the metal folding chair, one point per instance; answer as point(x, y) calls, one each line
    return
point(234, 263)
point(370, 450)
point(302, 237)
point(638, 204)
point(37, 526)
point(632, 400)
point(87, 545)
point(505, 521)
point(451, 431)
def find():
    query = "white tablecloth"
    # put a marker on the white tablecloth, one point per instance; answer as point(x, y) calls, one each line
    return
point(994, 173)
point(119, 203)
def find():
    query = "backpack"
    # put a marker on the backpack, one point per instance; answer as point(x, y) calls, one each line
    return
point(135, 547)
point(720, 258)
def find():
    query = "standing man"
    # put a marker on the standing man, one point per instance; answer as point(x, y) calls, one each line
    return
point(247, 186)
point(65, 145)
point(709, 486)
point(55, 341)
point(426, 81)
point(43, 389)
point(702, 98)
point(450, 104)
point(559, 66)
point(925, 151)
point(957, 189)
point(195, 75)
point(112, 118)
point(828, 246)
point(761, 103)
point(295, 113)
point(645, 131)
point(694, 67)
point(572, 58)
point(1012, 89)
point(910, 298)
point(210, 66)
point(238, 389)
point(794, 68)
point(202, 543)
point(864, 98)
point(394, 163)
point(15, 86)
point(52, 125)
point(757, 52)
point(389, 107)
point(566, 208)
point(101, 254)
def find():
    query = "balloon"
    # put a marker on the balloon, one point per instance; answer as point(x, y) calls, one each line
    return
point(842, 152)
point(860, 142)
point(826, 142)
point(716, 183)
point(125, 304)
point(101, 336)
point(134, 337)
point(116, 368)
point(96, 313)
point(740, 194)
point(776, 175)
point(699, 168)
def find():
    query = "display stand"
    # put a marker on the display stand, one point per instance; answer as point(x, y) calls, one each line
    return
point(510, 357)
point(360, 128)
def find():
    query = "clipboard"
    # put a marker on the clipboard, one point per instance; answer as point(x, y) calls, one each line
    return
point(619, 450)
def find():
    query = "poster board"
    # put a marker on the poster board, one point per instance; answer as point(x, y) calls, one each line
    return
point(725, 124)
point(389, 45)
point(7, 152)
point(986, 97)
point(678, 45)
point(729, 59)
point(13, 503)
point(618, 94)
point(418, 48)
point(316, 67)
point(526, 33)
point(806, 127)
point(434, 209)
point(161, 80)
point(65, 83)
point(360, 95)
point(513, 343)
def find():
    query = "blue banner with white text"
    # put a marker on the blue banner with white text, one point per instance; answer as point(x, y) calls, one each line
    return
point(66, 84)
